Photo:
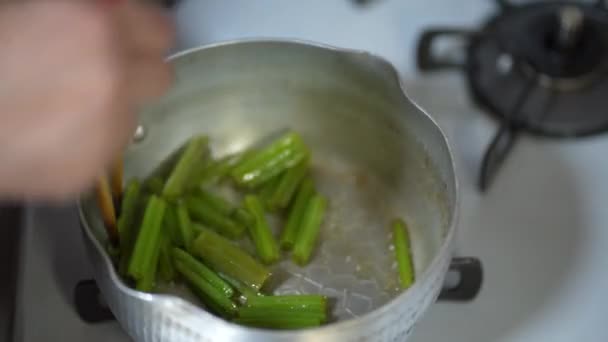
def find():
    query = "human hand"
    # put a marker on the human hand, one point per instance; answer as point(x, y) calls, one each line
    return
point(73, 75)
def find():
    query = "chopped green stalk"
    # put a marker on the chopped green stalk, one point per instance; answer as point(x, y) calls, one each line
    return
point(203, 271)
point(128, 210)
point(315, 303)
point(166, 269)
point(287, 186)
point(189, 162)
point(401, 240)
point(154, 185)
point(197, 228)
point(279, 323)
point(163, 170)
point(148, 281)
point(214, 171)
point(265, 244)
point(128, 223)
point(267, 190)
point(208, 293)
point(211, 173)
point(309, 230)
point(267, 163)
point(147, 243)
point(171, 224)
point(184, 225)
point(201, 211)
point(245, 291)
point(243, 217)
point(273, 168)
point(268, 147)
point(216, 202)
point(224, 207)
point(296, 214)
point(179, 225)
point(208, 303)
point(271, 314)
point(224, 257)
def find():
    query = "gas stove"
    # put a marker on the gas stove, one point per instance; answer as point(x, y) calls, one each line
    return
point(540, 228)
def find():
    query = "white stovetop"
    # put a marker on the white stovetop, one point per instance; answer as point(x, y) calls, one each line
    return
point(541, 231)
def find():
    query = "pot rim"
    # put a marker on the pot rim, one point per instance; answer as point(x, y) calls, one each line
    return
point(408, 294)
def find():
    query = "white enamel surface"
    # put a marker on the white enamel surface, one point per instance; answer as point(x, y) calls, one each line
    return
point(541, 231)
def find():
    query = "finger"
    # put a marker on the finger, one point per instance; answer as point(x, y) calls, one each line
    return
point(144, 27)
point(122, 129)
point(145, 79)
point(148, 79)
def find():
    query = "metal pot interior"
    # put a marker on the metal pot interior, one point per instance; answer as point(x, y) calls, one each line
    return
point(375, 154)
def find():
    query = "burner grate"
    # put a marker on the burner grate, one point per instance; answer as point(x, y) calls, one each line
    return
point(541, 68)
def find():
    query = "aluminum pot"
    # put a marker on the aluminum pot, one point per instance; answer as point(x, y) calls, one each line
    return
point(376, 154)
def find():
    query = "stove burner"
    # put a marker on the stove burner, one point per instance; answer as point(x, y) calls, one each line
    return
point(539, 67)
point(559, 42)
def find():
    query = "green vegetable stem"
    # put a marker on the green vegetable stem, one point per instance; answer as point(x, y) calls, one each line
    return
point(309, 229)
point(287, 186)
point(189, 162)
point(266, 246)
point(184, 225)
point(128, 222)
point(166, 270)
point(296, 214)
point(284, 312)
point(401, 241)
point(211, 296)
point(314, 303)
point(224, 257)
point(267, 163)
point(216, 170)
point(148, 240)
point(180, 256)
point(201, 211)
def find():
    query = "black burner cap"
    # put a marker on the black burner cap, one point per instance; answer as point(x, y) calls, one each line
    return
point(551, 50)
point(543, 68)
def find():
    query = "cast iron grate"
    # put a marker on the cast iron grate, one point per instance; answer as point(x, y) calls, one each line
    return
point(537, 67)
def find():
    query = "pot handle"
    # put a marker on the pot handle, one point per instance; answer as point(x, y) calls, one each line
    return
point(425, 58)
point(469, 272)
point(90, 304)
